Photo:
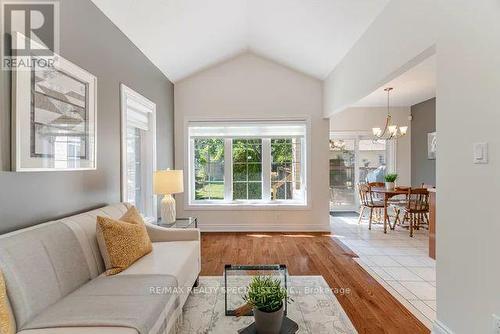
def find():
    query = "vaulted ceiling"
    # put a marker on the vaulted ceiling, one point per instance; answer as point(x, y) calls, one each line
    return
point(182, 37)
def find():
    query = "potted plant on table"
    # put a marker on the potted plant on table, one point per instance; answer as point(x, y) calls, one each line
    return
point(390, 180)
point(267, 298)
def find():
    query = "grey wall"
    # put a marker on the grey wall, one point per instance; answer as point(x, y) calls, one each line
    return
point(423, 170)
point(90, 40)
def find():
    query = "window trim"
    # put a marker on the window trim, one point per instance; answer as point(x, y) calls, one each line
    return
point(128, 93)
point(191, 204)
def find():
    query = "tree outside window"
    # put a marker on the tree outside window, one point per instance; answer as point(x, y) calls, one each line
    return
point(285, 168)
point(209, 169)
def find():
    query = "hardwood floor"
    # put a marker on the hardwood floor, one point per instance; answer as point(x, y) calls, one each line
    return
point(369, 306)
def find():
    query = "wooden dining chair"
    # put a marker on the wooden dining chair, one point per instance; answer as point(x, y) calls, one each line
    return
point(400, 199)
point(417, 205)
point(376, 196)
point(367, 201)
point(398, 203)
point(425, 216)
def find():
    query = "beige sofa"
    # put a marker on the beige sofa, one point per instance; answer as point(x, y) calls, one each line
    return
point(46, 266)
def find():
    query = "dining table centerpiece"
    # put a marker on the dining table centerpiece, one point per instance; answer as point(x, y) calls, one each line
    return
point(390, 181)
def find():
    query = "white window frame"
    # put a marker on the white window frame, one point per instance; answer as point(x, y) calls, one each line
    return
point(128, 95)
point(265, 202)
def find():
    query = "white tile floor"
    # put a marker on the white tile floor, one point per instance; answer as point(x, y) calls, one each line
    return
point(400, 263)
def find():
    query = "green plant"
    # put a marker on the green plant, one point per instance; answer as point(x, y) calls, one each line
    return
point(391, 177)
point(266, 294)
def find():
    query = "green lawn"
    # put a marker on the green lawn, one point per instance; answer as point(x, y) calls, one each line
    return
point(211, 191)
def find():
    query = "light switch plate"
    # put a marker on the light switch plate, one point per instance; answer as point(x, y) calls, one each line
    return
point(480, 153)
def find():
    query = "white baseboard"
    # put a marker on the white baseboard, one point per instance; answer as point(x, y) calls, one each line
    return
point(440, 328)
point(264, 228)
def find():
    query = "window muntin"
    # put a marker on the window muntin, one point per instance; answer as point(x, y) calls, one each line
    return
point(209, 169)
point(253, 158)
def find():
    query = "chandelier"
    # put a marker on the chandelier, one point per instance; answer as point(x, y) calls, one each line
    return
point(337, 145)
point(391, 131)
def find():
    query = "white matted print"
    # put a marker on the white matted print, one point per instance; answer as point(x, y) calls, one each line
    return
point(54, 116)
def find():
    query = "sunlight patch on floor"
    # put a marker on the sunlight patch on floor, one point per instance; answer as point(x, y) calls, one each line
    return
point(259, 236)
point(337, 236)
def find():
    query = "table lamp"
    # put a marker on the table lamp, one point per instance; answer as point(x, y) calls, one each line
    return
point(168, 182)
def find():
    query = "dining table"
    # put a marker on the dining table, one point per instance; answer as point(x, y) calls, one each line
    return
point(388, 194)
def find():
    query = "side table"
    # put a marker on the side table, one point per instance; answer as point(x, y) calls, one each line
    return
point(189, 222)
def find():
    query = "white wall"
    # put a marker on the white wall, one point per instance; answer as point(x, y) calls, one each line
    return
point(402, 36)
point(251, 87)
point(468, 226)
point(364, 119)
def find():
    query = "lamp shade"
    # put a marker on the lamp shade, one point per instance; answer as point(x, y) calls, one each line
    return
point(167, 182)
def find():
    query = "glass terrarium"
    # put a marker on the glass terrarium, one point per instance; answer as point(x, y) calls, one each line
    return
point(238, 277)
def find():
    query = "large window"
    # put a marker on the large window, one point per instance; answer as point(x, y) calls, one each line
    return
point(138, 151)
point(247, 163)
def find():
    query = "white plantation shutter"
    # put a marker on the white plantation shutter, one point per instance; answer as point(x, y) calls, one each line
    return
point(286, 129)
point(137, 114)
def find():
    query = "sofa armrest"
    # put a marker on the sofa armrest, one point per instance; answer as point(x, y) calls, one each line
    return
point(161, 234)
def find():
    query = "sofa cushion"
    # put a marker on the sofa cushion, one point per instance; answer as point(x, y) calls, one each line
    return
point(135, 301)
point(41, 265)
point(84, 228)
point(176, 258)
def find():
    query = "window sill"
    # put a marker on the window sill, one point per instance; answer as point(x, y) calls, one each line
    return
point(247, 206)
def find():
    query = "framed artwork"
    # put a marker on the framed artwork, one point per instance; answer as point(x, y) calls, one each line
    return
point(54, 117)
point(431, 146)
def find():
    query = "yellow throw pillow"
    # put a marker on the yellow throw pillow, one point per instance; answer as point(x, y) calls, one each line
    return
point(123, 241)
point(132, 216)
point(7, 322)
